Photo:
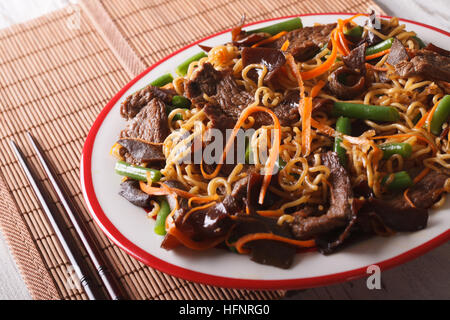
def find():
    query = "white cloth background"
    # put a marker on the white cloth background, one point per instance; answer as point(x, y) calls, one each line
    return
point(433, 12)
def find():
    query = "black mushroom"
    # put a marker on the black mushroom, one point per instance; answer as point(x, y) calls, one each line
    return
point(272, 59)
point(346, 83)
point(130, 190)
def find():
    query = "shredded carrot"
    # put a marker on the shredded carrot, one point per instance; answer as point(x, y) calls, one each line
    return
point(368, 65)
point(316, 89)
point(421, 175)
point(203, 199)
point(270, 213)
point(431, 113)
point(273, 153)
point(407, 135)
point(324, 67)
point(422, 121)
point(306, 126)
point(271, 39)
point(163, 190)
point(405, 195)
point(270, 236)
point(378, 54)
point(342, 40)
point(285, 45)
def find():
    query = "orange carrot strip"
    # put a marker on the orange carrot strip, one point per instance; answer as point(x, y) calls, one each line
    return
point(203, 199)
point(285, 46)
point(422, 121)
point(378, 54)
point(270, 213)
point(270, 236)
point(163, 190)
point(271, 39)
point(306, 126)
point(316, 89)
point(421, 175)
point(405, 195)
point(186, 216)
point(368, 65)
point(431, 113)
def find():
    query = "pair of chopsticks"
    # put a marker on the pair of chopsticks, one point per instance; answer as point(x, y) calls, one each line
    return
point(66, 239)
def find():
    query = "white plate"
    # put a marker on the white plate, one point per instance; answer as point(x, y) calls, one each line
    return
point(130, 229)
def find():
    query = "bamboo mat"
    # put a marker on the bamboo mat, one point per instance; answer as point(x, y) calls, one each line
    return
point(56, 74)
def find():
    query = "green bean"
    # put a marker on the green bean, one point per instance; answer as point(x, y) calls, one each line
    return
point(440, 115)
point(365, 111)
point(160, 225)
point(400, 181)
point(163, 80)
point(137, 173)
point(383, 45)
point(343, 125)
point(355, 32)
point(181, 102)
point(182, 69)
point(419, 41)
point(389, 149)
point(288, 25)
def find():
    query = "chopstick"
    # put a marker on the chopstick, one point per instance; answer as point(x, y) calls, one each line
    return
point(110, 282)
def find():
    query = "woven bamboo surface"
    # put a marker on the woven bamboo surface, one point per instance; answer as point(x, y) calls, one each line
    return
point(56, 74)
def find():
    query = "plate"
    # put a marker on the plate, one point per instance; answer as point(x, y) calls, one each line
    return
point(129, 228)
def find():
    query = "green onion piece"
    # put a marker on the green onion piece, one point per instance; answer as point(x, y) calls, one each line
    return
point(440, 115)
point(384, 45)
point(162, 81)
point(355, 32)
point(419, 41)
point(180, 102)
point(160, 225)
point(137, 173)
point(389, 149)
point(400, 181)
point(182, 69)
point(365, 111)
point(288, 25)
point(343, 125)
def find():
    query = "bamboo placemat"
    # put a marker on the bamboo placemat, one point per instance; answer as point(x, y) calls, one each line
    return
point(56, 74)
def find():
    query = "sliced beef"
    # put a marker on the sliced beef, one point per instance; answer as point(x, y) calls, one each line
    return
point(150, 124)
point(272, 59)
point(138, 100)
point(340, 211)
point(205, 80)
point(346, 83)
point(441, 51)
point(356, 59)
point(306, 42)
point(249, 40)
point(426, 64)
point(397, 54)
point(130, 190)
point(137, 151)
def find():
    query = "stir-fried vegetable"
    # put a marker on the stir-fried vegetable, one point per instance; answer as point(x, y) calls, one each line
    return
point(343, 125)
point(379, 47)
point(288, 25)
point(440, 115)
point(401, 148)
point(419, 41)
point(137, 173)
point(397, 181)
point(355, 32)
point(162, 80)
point(182, 69)
point(365, 111)
point(181, 102)
point(164, 210)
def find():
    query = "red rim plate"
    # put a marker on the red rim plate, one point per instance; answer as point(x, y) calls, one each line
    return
point(111, 231)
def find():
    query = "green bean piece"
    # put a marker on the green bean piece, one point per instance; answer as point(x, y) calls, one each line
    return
point(365, 111)
point(343, 125)
point(383, 45)
point(177, 117)
point(181, 102)
point(400, 181)
point(419, 41)
point(137, 173)
point(162, 81)
point(288, 25)
point(440, 115)
point(355, 32)
point(389, 149)
point(160, 225)
point(182, 69)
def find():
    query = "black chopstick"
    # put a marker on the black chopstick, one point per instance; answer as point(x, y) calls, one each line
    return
point(110, 282)
point(75, 257)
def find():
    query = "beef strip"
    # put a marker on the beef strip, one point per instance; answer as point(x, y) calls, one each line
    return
point(130, 190)
point(137, 151)
point(397, 54)
point(138, 100)
point(356, 59)
point(439, 50)
point(427, 64)
point(150, 124)
point(306, 42)
point(272, 59)
point(346, 83)
point(340, 211)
